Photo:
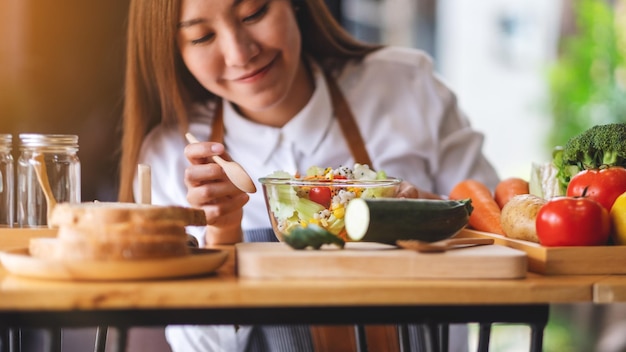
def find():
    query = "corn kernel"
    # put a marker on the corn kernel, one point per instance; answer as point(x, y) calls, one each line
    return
point(339, 213)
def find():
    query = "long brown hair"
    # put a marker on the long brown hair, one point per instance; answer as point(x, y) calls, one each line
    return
point(159, 88)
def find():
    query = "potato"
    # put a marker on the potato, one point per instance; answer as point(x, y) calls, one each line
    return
point(518, 217)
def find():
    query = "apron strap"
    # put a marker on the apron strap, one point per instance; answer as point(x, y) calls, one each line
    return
point(347, 124)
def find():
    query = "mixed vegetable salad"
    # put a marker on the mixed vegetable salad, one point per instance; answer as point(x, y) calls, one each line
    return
point(320, 196)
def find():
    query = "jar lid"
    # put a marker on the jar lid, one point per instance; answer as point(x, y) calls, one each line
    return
point(6, 138)
point(6, 141)
point(48, 140)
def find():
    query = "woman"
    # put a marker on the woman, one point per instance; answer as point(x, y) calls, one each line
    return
point(280, 86)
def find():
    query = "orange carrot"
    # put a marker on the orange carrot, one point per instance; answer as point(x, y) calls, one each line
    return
point(509, 188)
point(486, 213)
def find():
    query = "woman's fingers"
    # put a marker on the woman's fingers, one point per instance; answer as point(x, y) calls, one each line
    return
point(407, 190)
point(201, 153)
point(225, 210)
point(209, 188)
point(199, 174)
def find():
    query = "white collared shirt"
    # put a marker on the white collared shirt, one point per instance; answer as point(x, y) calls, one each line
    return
point(408, 118)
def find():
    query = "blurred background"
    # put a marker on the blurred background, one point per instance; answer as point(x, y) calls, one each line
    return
point(529, 73)
point(61, 71)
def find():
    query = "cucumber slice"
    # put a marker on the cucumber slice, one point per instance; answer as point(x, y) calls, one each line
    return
point(387, 220)
point(359, 214)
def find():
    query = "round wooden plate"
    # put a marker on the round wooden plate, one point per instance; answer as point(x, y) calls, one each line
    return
point(200, 261)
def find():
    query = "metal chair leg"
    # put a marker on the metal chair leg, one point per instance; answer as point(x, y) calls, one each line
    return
point(361, 338)
point(536, 337)
point(444, 337)
point(15, 340)
point(54, 339)
point(403, 338)
point(433, 337)
point(122, 338)
point(101, 339)
point(422, 343)
point(484, 334)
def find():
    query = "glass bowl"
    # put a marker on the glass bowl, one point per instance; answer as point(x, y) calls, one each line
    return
point(292, 202)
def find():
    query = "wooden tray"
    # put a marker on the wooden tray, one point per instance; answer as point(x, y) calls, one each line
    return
point(363, 260)
point(587, 260)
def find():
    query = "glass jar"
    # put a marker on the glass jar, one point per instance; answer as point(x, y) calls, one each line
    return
point(46, 160)
point(7, 185)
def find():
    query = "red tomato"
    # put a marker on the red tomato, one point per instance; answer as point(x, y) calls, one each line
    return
point(573, 221)
point(603, 185)
point(320, 195)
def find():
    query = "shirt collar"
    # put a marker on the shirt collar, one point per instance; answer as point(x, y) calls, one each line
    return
point(305, 131)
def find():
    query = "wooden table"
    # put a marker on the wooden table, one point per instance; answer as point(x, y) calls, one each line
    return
point(223, 298)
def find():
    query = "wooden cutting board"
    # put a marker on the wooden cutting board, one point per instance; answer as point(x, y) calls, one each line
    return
point(361, 260)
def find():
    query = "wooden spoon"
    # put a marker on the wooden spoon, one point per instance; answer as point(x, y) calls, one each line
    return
point(145, 184)
point(42, 178)
point(442, 246)
point(237, 175)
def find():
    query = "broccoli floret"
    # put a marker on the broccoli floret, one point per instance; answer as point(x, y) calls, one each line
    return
point(580, 150)
point(609, 142)
point(599, 146)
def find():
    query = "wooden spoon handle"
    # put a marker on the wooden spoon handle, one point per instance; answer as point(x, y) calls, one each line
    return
point(44, 183)
point(219, 160)
point(441, 246)
point(145, 184)
point(467, 240)
point(191, 138)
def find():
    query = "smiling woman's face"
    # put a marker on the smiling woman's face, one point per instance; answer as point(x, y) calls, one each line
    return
point(245, 51)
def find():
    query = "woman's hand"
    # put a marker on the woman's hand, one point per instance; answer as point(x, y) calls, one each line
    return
point(209, 188)
point(407, 190)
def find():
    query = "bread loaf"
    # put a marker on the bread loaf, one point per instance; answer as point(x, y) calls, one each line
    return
point(117, 231)
point(85, 249)
point(106, 213)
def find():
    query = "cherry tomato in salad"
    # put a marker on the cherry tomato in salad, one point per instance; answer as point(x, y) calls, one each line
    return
point(603, 185)
point(573, 221)
point(321, 195)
